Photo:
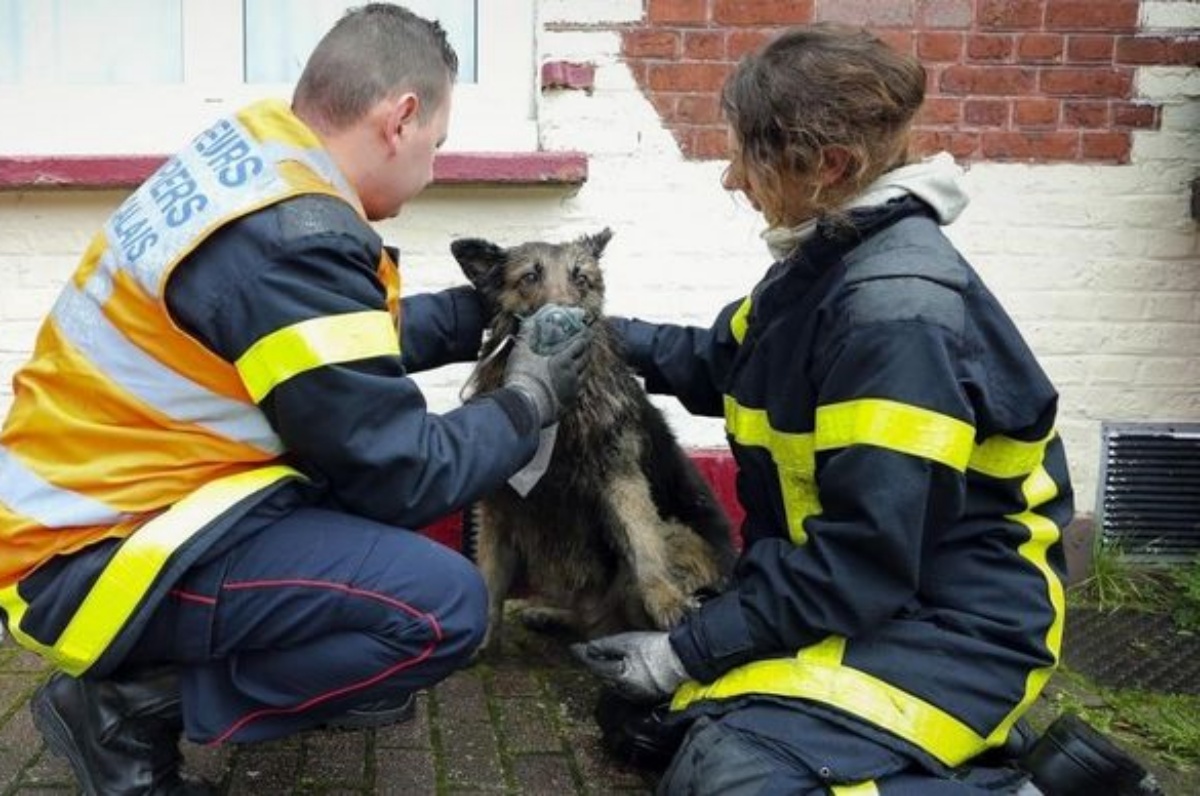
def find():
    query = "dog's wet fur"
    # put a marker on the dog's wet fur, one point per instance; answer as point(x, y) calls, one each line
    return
point(621, 532)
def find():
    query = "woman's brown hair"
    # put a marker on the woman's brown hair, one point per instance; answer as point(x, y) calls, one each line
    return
point(813, 88)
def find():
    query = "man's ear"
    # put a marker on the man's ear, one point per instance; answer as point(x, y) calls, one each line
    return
point(403, 111)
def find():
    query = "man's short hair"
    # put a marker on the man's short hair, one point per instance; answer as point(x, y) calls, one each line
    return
point(372, 52)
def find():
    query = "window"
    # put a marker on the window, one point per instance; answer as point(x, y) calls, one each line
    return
point(132, 77)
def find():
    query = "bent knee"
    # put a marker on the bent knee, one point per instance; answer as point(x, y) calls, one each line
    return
point(464, 615)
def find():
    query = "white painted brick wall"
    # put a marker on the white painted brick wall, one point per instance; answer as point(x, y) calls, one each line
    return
point(1099, 265)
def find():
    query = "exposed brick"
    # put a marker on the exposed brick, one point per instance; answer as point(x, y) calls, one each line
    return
point(704, 45)
point(1158, 50)
point(568, 75)
point(1009, 81)
point(1040, 48)
point(1111, 15)
point(985, 113)
point(708, 144)
point(762, 12)
point(666, 105)
point(869, 13)
point(1030, 145)
point(686, 77)
point(1135, 115)
point(639, 69)
point(1035, 112)
point(945, 13)
point(698, 109)
point(651, 43)
point(741, 42)
point(1086, 113)
point(1112, 146)
point(1011, 14)
point(990, 47)
point(940, 46)
point(1090, 48)
point(1069, 82)
point(903, 41)
point(962, 145)
point(940, 111)
point(681, 12)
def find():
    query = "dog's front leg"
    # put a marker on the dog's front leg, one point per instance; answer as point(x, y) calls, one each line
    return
point(638, 530)
point(498, 561)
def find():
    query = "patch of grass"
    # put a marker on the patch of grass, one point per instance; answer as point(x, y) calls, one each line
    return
point(1185, 608)
point(1168, 724)
point(1117, 582)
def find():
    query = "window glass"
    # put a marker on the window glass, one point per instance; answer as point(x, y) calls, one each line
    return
point(275, 53)
point(137, 77)
point(88, 41)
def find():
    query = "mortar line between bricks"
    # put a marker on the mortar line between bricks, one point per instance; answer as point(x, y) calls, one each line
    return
point(498, 728)
point(546, 693)
point(440, 776)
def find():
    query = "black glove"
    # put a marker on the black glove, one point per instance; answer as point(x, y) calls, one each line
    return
point(551, 381)
point(641, 666)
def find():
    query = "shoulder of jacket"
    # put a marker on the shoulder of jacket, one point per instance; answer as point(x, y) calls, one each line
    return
point(909, 271)
point(317, 215)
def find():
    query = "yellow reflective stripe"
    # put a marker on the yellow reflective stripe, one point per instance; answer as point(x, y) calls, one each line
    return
point(826, 653)
point(794, 459)
point(740, 320)
point(868, 788)
point(14, 608)
point(272, 121)
point(896, 426)
point(137, 563)
point(1043, 533)
point(1005, 457)
point(856, 692)
point(310, 344)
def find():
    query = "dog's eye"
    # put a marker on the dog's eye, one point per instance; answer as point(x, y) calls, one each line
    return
point(531, 277)
point(580, 278)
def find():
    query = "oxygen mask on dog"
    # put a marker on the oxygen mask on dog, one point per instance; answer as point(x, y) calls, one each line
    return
point(552, 327)
point(547, 331)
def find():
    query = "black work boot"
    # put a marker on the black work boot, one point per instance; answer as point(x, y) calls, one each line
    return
point(121, 736)
point(381, 713)
point(1073, 759)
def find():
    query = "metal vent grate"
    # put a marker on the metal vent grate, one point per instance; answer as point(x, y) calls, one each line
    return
point(1149, 502)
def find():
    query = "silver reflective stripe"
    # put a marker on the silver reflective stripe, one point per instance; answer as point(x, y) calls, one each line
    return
point(87, 329)
point(28, 494)
point(152, 241)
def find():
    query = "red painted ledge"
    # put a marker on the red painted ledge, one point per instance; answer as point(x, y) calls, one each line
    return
point(452, 168)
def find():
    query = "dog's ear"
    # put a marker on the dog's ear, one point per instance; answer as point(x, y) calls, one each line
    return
point(478, 258)
point(483, 263)
point(596, 243)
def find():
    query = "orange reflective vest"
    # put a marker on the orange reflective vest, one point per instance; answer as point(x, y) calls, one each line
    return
point(123, 425)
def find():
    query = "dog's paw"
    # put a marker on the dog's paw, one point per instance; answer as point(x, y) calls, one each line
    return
point(547, 619)
point(665, 603)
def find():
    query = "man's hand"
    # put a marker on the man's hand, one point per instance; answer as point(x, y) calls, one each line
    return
point(641, 666)
point(550, 380)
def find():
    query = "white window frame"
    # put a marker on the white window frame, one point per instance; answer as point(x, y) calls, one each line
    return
point(496, 113)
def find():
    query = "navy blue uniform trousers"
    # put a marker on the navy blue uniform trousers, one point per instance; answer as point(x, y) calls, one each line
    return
point(768, 750)
point(314, 614)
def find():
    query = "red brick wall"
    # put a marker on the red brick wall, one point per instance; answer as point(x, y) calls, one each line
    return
point(1013, 80)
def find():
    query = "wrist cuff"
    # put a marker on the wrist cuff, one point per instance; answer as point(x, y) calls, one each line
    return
point(521, 408)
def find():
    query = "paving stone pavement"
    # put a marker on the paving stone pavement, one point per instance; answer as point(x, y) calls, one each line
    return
point(518, 722)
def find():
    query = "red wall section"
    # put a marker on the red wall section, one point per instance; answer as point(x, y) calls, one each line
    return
point(1009, 80)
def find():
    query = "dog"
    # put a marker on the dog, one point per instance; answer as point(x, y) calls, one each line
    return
point(621, 532)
